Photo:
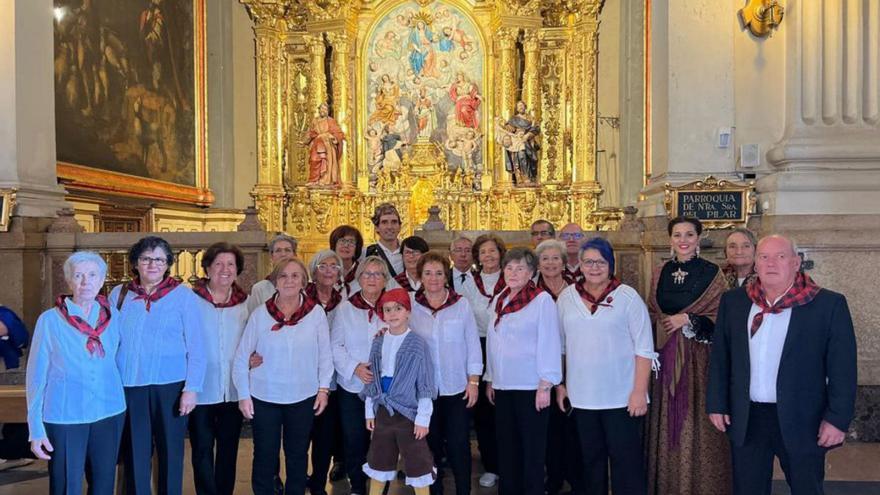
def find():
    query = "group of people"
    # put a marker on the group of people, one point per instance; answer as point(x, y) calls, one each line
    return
point(371, 354)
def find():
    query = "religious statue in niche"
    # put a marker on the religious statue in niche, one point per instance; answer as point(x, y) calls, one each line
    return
point(518, 138)
point(324, 139)
point(424, 74)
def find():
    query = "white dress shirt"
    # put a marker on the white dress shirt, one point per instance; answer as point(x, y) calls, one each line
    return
point(453, 341)
point(765, 352)
point(296, 358)
point(395, 257)
point(483, 311)
point(393, 284)
point(525, 347)
point(459, 284)
point(600, 348)
point(223, 328)
point(350, 339)
point(260, 293)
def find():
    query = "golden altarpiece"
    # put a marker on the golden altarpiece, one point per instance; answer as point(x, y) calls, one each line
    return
point(424, 92)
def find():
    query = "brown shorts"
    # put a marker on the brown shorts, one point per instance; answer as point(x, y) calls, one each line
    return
point(392, 437)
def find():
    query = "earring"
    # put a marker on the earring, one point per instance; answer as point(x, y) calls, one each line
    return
point(698, 251)
point(671, 252)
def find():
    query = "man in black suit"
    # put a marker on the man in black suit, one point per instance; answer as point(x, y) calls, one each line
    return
point(782, 375)
point(386, 219)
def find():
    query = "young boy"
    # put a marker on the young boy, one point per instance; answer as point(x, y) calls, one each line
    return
point(399, 404)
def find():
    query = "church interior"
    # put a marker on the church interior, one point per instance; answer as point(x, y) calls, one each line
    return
point(235, 120)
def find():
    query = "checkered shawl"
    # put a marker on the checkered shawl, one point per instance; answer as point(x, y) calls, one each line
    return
point(801, 292)
point(572, 276)
point(93, 344)
point(499, 285)
point(358, 301)
point(732, 280)
point(451, 298)
point(403, 281)
point(238, 296)
point(604, 299)
point(517, 302)
point(307, 305)
point(165, 286)
point(335, 297)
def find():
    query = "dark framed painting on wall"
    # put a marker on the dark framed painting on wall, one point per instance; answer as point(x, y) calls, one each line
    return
point(130, 98)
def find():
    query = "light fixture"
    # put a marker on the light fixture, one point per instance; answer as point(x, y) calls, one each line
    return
point(761, 16)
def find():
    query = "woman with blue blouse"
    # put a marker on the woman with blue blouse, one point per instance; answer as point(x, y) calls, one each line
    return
point(292, 385)
point(76, 404)
point(162, 361)
point(445, 321)
point(215, 423)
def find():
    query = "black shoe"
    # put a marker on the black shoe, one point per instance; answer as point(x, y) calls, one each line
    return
point(279, 486)
point(337, 472)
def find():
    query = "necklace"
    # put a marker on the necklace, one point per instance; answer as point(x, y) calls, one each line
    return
point(678, 276)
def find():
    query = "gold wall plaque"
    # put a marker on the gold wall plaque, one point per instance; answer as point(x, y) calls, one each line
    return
point(718, 204)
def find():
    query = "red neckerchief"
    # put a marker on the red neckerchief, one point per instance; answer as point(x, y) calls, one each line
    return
point(802, 292)
point(572, 277)
point(335, 297)
point(451, 298)
point(499, 285)
point(403, 281)
point(165, 286)
point(238, 295)
point(517, 302)
point(543, 285)
point(349, 277)
point(93, 344)
point(308, 304)
point(604, 299)
point(358, 301)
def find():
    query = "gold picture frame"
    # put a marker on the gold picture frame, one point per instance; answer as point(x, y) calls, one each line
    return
point(7, 204)
point(717, 203)
point(89, 178)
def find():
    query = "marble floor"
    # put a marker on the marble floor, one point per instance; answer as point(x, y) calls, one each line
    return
point(851, 470)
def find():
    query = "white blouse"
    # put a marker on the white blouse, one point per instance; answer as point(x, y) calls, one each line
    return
point(483, 311)
point(296, 359)
point(600, 349)
point(222, 330)
point(350, 339)
point(525, 347)
point(260, 293)
point(452, 338)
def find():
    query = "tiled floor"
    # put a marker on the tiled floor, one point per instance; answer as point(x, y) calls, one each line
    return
point(851, 470)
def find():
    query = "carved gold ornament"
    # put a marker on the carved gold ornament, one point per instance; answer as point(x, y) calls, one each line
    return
point(761, 16)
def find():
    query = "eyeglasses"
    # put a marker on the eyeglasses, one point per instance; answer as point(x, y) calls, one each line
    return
point(461, 250)
point(283, 250)
point(571, 236)
point(596, 263)
point(369, 275)
point(542, 233)
point(345, 241)
point(146, 260)
point(328, 268)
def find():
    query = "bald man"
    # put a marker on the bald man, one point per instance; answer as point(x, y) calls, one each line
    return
point(782, 373)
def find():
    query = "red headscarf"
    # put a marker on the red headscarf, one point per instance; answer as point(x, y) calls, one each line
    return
point(400, 296)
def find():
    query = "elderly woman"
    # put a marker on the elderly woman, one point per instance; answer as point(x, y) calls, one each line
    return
point(686, 454)
point(609, 350)
point(215, 423)
point(281, 247)
point(354, 327)
point(292, 385)
point(739, 248)
point(523, 363)
point(445, 321)
point(75, 400)
point(162, 360)
point(487, 250)
point(412, 248)
point(551, 267)
point(348, 243)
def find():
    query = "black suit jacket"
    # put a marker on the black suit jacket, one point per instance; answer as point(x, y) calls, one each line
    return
point(817, 371)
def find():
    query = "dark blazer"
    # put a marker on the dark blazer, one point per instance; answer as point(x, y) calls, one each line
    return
point(376, 250)
point(16, 340)
point(817, 371)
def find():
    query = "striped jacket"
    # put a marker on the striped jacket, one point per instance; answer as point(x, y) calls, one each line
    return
point(413, 377)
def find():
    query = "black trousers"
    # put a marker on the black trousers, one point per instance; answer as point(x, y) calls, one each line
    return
point(153, 419)
point(753, 462)
point(611, 434)
point(522, 442)
point(324, 438)
point(450, 427)
point(271, 423)
point(564, 459)
point(15, 444)
point(484, 424)
point(92, 446)
point(356, 439)
point(214, 431)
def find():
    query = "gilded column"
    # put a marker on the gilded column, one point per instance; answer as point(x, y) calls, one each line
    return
point(531, 91)
point(584, 82)
point(317, 75)
point(342, 102)
point(506, 83)
point(554, 41)
point(270, 30)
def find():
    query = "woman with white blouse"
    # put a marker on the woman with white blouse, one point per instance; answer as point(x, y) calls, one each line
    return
point(354, 327)
point(76, 404)
point(284, 394)
point(609, 350)
point(487, 250)
point(281, 247)
point(523, 362)
point(215, 423)
point(412, 248)
point(445, 321)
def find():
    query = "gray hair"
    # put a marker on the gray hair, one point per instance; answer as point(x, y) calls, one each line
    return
point(283, 237)
point(370, 260)
point(550, 244)
point(83, 257)
point(744, 231)
point(521, 254)
point(460, 238)
point(322, 256)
